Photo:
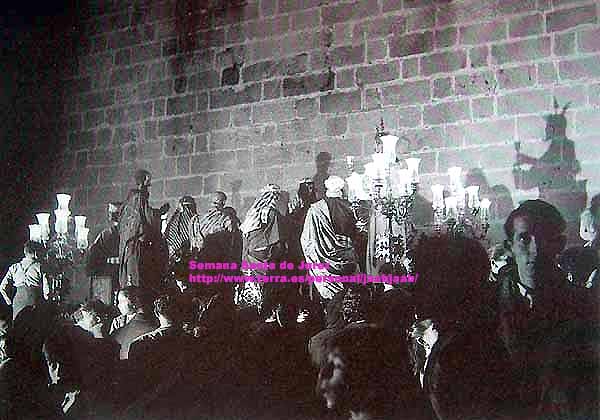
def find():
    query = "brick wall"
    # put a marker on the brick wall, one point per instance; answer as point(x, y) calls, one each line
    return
point(234, 96)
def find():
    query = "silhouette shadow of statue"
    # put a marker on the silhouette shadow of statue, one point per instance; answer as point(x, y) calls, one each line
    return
point(323, 162)
point(554, 173)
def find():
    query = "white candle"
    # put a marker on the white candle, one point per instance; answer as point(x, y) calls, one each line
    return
point(413, 168)
point(460, 198)
point(82, 237)
point(389, 148)
point(473, 194)
point(400, 182)
point(80, 221)
point(44, 222)
point(63, 201)
point(451, 207)
point(485, 209)
point(35, 233)
point(62, 218)
point(354, 182)
point(438, 196)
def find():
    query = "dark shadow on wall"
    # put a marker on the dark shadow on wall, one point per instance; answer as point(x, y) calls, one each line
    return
point(554, 173)
point(499, 195)
point(322, 162)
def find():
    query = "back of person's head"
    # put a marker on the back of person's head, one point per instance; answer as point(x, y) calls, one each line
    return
point(370, 368)
point(140, 177)
point(98, 312)
point(134, 296)
point(545, 222)
point(30, 248)
point(166, 306)
point(452, 274)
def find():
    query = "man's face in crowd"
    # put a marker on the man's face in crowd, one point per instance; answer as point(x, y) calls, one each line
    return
point(534, 248)
point(87, 321)
point(332, 380)
point(124, 305)
point(524, 247)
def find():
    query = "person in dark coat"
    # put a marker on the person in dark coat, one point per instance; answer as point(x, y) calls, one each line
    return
point(143, 252)
point(138, 323)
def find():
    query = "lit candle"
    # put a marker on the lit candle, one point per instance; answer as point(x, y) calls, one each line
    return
point(79, 222)
point(451, 207)
point(44, 222)
point(35, 233)
point(389, 148)
point(438, 196)
point(473, 194)
point(63, 201)
point(62, 217)
point(401, 183)
point(355, 185)
point(371, 170)
point(82, 237)
point(413, 168)
point(485, 209)
point(460, 198)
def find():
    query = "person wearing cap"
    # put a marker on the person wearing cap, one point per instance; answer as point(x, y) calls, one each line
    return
point(143, 253)
point(327, 238)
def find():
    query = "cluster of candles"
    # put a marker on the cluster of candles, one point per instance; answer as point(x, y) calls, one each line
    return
point(459, 198)
point(41, 232)
point(383, 172)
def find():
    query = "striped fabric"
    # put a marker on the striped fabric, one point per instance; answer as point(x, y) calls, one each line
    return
point(177, 233)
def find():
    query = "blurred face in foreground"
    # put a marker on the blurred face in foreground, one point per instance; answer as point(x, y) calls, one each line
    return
point(331, 384)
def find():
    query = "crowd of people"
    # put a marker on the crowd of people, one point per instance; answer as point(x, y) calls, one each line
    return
point(463, 342)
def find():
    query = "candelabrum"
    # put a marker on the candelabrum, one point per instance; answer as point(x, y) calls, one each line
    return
point(460, 212)
point(390, 189)
point(61, 249)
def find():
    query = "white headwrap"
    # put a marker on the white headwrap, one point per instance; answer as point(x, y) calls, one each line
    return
point(334, 185)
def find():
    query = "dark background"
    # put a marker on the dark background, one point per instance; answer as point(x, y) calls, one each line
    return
point(30, 102)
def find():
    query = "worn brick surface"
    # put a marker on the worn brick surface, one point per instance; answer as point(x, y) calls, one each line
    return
point(258, 90)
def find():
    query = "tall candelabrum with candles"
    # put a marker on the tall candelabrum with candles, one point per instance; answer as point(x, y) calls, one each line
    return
point(63, 247)
point(458, 210)
point(390, 186)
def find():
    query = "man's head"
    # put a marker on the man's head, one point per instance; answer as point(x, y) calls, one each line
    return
point(334, 186)
point(129, 300)
point(166, 310)
point(30, 249)
point(535, 236)
point(357, 371)
point(113, 211)
point(143, 178)
point(93, 314)
point(218, 199)
point(187, 202)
